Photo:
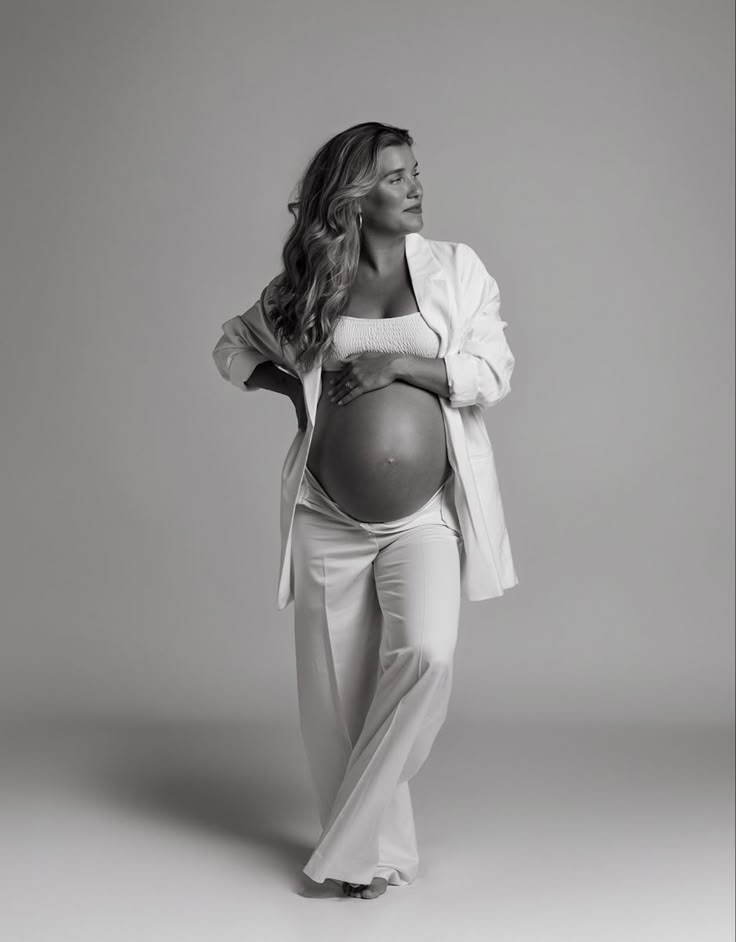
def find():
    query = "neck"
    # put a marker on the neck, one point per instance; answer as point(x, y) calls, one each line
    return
point(381, 254)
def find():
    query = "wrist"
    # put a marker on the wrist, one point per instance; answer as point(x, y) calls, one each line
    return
point(400, 366)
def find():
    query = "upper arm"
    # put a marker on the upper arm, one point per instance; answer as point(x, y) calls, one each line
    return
point(480, 296)
point(480, 363)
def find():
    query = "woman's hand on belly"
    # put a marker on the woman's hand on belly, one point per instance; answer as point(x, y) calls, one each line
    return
point(361, 375)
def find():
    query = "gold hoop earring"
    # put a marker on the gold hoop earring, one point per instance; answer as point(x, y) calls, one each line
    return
point(360, 220)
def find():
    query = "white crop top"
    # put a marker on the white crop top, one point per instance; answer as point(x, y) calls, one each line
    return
point(355, 336)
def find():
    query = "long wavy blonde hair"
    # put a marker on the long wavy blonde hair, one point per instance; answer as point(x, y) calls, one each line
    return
point(321, 252)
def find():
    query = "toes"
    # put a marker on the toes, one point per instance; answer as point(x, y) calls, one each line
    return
point(353, 889)
point(377, 888)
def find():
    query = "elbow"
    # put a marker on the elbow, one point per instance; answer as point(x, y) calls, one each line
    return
point(496, 383)
point(220, 363)
point(474, 381)
point(495, 395)
point(237, 366)
point(487, 397)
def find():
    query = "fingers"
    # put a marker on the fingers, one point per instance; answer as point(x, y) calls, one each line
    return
point(342, 391)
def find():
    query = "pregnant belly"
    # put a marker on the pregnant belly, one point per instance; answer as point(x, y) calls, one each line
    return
point(382, 455)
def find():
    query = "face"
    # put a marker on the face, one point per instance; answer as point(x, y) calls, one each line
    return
point(385, 207)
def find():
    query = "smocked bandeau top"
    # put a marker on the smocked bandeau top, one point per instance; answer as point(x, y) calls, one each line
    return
point(355, 336)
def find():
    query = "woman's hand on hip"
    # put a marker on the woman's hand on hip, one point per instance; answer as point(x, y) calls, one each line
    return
point(364, 374)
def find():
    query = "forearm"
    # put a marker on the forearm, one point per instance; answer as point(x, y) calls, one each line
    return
point(426, 372)
point(268, 376)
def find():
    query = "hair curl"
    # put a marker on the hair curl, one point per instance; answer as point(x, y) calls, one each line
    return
point(321, 252)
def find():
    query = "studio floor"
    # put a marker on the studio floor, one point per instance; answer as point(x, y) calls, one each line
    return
point(197, 832)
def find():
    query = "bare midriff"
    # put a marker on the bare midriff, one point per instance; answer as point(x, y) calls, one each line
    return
point(382, 455)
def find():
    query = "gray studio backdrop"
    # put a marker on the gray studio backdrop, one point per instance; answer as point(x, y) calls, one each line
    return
point(585, 150)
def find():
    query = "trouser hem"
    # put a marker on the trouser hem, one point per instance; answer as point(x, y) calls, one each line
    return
point(317, 870)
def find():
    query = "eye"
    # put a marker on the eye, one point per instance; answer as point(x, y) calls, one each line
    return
point(399, 178)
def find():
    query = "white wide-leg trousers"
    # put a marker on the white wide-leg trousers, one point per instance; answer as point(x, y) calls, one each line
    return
point(376, 611)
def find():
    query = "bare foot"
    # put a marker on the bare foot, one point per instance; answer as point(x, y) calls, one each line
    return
point(377, 887)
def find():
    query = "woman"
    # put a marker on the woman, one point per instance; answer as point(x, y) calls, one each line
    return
point(390, 345)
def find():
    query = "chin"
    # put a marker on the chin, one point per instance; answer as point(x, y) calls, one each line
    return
point(417, 220)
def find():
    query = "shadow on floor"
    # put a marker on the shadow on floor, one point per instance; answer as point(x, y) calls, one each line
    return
point(245, 784)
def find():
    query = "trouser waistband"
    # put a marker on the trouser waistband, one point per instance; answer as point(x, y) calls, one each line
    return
point(383, 526)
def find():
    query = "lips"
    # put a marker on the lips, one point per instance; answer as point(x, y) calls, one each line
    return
point(414, 209)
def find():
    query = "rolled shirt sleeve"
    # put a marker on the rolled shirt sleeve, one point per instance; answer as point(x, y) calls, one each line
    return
point(248, 340)
point(480, 363)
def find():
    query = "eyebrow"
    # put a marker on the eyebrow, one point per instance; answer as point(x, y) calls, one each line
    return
point(399, 169)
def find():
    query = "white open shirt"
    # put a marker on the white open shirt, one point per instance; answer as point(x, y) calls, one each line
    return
point(461, 302)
